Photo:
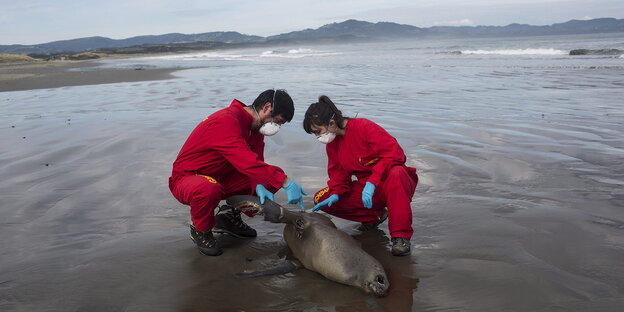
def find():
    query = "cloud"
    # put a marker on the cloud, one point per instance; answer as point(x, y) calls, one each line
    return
point(67, 19)
point(586, 18)
point(461, 22)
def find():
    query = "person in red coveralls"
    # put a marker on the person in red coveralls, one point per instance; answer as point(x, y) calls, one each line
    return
point(361, 148)
point(224, 156)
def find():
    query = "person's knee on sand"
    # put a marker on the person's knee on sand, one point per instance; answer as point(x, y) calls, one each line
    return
point(204, 200)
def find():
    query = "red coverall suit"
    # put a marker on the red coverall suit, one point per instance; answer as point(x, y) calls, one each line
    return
point(371, 154)
point(221, 157)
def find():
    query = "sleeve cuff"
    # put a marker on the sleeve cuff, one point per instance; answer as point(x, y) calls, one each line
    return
point(374, 179)
point(278, 179)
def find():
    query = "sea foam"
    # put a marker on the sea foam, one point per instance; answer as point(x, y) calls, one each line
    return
point(517, 52)
point(297, 53)
point(198, 56)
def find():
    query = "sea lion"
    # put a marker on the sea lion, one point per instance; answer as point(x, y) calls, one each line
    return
point(319, 246)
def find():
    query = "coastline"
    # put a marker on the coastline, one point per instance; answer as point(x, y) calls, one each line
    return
point(21, 76)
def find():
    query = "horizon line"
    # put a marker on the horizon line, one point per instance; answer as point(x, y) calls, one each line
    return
point(350, 19)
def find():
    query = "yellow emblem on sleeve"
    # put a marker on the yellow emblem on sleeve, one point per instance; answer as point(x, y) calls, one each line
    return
point(320, 194)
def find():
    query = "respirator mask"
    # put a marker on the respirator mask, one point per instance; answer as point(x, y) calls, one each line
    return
point(328, 136)
point(270, 128)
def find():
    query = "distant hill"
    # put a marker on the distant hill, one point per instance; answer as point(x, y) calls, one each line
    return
point(354, 28)
point(388, 30)
point(594, 26)
point(97, 43)
point(335, 32)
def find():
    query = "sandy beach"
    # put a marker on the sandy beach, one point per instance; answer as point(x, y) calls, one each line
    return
point(518, 207)
point(55, 74)
point(133, 245)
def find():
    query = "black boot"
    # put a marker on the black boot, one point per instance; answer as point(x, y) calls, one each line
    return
point(374, 225)
point(401, 246)
point(206, 243)
point(228, 220)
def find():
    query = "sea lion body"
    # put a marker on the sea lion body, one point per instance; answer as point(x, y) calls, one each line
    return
point(319, 246)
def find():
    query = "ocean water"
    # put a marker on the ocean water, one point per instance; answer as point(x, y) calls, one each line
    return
point(519, 148)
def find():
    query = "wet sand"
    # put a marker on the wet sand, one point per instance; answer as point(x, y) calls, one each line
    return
point(508, 215)
point(54, 74)
point(89, 224)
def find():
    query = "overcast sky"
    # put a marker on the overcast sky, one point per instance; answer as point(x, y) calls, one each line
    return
point(39, 21)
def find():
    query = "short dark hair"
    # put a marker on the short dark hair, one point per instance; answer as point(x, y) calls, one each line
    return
point(283, 103)
point(320, 113)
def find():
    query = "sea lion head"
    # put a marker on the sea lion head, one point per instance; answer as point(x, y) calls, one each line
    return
point(377, 283)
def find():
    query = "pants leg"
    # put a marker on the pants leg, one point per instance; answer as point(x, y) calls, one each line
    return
point(236, 183)
point(398, 189)
point(395, 192)
point(203, 194)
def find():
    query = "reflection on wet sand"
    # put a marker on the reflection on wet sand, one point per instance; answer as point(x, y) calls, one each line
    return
point(401, 274)
point(299, 290)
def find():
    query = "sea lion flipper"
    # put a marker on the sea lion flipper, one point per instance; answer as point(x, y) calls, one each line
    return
point(245, 202)
point(283, 268)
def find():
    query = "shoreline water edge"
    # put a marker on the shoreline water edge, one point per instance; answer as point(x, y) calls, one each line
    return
point(54, 74)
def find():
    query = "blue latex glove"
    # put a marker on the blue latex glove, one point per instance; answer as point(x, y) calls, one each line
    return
point(294, 193)
point(328, 202)
point(263, 193)
point(367, 195)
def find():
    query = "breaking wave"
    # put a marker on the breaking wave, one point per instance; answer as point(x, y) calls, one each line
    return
point(297, 53)
point(550, 51)
point(240, 55)
point(516, 52)
point(199, 56)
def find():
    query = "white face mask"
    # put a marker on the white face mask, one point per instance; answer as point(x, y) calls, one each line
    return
point(326, 137)
point(270, 128)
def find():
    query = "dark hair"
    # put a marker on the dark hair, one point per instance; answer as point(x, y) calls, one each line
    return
point(283, 103)
point(320, 113)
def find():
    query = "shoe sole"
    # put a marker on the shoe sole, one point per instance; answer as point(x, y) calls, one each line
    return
point(210, 254)
point(400, 254)
point(219, 252)
point(224, 231)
